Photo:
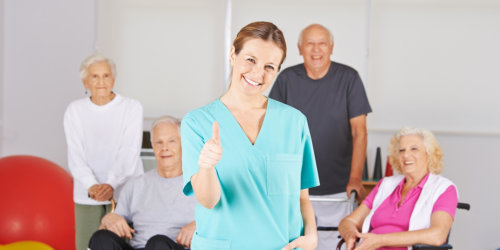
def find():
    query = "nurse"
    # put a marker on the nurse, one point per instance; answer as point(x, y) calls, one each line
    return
point(248, 159)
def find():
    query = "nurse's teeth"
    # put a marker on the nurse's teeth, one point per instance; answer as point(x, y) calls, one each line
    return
point(251, 82)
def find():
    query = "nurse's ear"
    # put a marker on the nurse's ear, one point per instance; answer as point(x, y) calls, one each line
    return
point(232, 56)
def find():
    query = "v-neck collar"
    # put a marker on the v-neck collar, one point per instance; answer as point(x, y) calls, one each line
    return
point(235, 123)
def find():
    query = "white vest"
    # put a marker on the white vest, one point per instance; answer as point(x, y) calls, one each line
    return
point(421, 215)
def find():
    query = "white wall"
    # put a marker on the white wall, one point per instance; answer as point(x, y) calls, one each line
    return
point(2, 24)
point(435, 64)
point(43, 43)
point(169, 54)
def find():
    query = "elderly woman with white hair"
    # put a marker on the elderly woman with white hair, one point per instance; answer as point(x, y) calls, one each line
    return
point(104, 137)
point(415, 207)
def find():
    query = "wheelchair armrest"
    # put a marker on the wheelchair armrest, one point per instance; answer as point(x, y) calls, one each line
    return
point(429, 247)
point(462, 205)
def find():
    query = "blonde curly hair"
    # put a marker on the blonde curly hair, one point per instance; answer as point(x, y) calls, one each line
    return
point(434, 152)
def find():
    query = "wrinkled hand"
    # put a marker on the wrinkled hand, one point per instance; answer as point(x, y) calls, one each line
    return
point(304, 242)
point(369, 241)
point(93, 191)
point(186, 234)
point(116, 224)
point(356, 184)
point(350, 240)
point(212, 150)
point(101, 192)
point(104, 192)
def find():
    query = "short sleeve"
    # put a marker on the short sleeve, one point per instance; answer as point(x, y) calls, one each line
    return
point(192, 143)
point(368, 201)
point(357, 101)
point(447, 201)
point(309, 174)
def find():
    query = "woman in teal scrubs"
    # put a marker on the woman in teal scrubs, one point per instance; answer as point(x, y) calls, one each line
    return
point(249, 159)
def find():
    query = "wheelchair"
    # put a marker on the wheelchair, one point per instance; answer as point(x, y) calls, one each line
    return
point(352, 204)
point(460, 205)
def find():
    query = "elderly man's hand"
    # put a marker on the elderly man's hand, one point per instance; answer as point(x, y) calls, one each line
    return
point(116, 224)
point(356, 184)
point(186, 234)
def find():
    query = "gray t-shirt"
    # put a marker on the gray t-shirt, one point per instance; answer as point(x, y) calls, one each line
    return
point(328, 103)
point(155, 205)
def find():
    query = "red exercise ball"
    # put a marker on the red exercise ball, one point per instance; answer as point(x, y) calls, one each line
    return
point(36, 202)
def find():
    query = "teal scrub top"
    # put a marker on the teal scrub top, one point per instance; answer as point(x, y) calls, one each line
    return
point(259, 207)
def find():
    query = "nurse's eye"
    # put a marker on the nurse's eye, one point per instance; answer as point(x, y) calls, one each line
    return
point(251, 60)
point(270, 67)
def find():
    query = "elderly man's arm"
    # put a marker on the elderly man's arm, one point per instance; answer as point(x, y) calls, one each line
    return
point(434, 235)
point(359, 141)
point(186, 234)
point(116, 224)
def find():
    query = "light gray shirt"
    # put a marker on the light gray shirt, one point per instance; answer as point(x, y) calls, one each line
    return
point(155, 205)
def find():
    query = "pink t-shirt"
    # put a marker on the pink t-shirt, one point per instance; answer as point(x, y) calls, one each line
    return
point(390, 218)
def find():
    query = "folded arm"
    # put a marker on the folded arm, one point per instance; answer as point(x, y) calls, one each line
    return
point(435, 235)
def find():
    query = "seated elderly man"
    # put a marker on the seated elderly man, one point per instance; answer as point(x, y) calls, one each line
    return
point(162, 216)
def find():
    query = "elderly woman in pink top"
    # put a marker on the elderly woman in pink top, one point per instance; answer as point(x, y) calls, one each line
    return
point(416, 207)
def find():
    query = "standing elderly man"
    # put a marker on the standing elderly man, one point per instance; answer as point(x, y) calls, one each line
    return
point(162, 217)
point(333, 98)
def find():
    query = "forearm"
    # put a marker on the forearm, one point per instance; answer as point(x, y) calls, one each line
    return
point(206, 187)
point(307, 211)
point(79, 169)
point(427, 236)
point(359, 142)
point(348, 228)
point(77, 162)
point(351, 225)
point(434, 235)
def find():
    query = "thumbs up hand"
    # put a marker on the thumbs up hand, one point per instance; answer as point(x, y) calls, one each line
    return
point(212, 150)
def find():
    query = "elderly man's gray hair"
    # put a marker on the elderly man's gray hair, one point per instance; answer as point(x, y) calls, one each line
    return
point(94, 58)
point(165, 119)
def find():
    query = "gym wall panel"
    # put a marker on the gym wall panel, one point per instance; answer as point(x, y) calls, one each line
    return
point(434, 64)
point(169, 54)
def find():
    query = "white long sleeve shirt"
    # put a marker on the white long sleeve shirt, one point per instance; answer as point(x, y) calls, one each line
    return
point(104, 144)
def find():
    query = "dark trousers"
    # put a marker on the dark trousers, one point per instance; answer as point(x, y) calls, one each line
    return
point(107, 240)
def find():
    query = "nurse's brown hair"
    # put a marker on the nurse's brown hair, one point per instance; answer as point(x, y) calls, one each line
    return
point(263, 30)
